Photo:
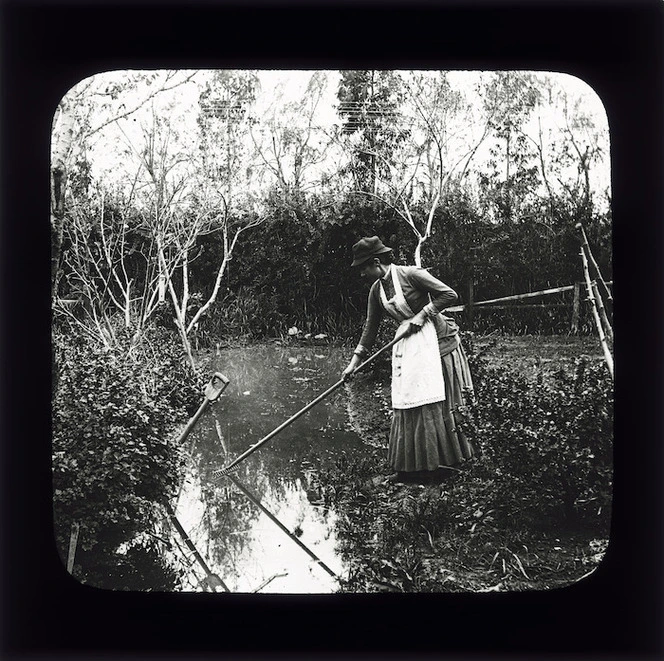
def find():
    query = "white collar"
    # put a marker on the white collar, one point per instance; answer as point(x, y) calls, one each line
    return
point(389, 271)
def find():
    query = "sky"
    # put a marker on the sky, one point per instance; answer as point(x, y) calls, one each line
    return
point(113, 148)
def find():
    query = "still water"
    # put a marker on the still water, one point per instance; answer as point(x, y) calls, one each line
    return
point(237, 540)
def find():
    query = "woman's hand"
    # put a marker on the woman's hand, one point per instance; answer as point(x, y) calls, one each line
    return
point(417, 322)
point(354, 362)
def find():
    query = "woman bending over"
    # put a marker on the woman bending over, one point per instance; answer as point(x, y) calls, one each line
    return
point(430, 375)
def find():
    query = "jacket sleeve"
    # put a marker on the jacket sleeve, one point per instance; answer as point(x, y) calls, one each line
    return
point(442, 296)
point(370, 330)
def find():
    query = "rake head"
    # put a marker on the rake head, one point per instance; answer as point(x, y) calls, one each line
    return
point(222, 472)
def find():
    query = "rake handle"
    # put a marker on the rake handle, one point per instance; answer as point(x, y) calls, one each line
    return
point(212, 392)
point(274, 519)
point(224, 471)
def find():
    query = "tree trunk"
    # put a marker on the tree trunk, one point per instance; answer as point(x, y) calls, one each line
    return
point(418, 251)
point(63, 135)
point(58, 183)
point(180, 323)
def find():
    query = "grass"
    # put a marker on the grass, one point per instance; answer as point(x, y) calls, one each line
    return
point(530, 354)
point(414, 538)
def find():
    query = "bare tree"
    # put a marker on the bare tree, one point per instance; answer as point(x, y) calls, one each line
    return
point(180, 203)
point(96, 272)
point(163, 200)
point(85, 110)
point(292, 147)
point(434, 150)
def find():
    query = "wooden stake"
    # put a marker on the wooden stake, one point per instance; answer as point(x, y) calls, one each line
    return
point(605, 347)
point(602, 312)
point(73, 541)
point(576, 308)
point(586, 245)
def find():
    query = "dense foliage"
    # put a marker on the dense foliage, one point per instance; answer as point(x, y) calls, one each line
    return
point(114, 458)
point(296, 272)
point(547, 448)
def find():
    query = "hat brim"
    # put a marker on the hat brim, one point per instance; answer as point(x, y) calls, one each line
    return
point(361, 260)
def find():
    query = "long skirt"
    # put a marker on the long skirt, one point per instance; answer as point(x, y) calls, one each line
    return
point(426, 437)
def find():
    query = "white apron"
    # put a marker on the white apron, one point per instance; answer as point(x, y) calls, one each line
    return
point(417, 372)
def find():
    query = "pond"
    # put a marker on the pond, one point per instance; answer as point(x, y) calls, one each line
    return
point(240, 542)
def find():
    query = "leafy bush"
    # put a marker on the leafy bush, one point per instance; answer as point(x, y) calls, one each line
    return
point(546, 447)
point(140, 566)
point(114, 458)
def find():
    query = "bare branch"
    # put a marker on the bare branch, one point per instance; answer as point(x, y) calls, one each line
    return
point(389, 204)
point(228, 253)
point(138, 106)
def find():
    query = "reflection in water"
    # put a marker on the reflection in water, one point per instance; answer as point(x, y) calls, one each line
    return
point(239, 542)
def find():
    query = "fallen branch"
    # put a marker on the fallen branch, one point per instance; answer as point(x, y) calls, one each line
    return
point(269, 580)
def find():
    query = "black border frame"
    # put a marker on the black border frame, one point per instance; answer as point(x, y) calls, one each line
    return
point(616, 47)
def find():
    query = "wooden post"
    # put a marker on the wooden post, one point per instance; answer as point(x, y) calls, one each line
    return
point(586, 246)
point(605, 347)
point(73, 541)
point(602, 312)
point(575, 308)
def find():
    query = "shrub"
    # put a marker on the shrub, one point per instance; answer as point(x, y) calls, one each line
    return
point(528, 320)
point(142, 566)
point(114, 458)
point(546, 447)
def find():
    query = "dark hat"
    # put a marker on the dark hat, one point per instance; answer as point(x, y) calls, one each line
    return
point(366, 248)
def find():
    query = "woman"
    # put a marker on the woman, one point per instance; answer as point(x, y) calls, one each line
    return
point(430, 374)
